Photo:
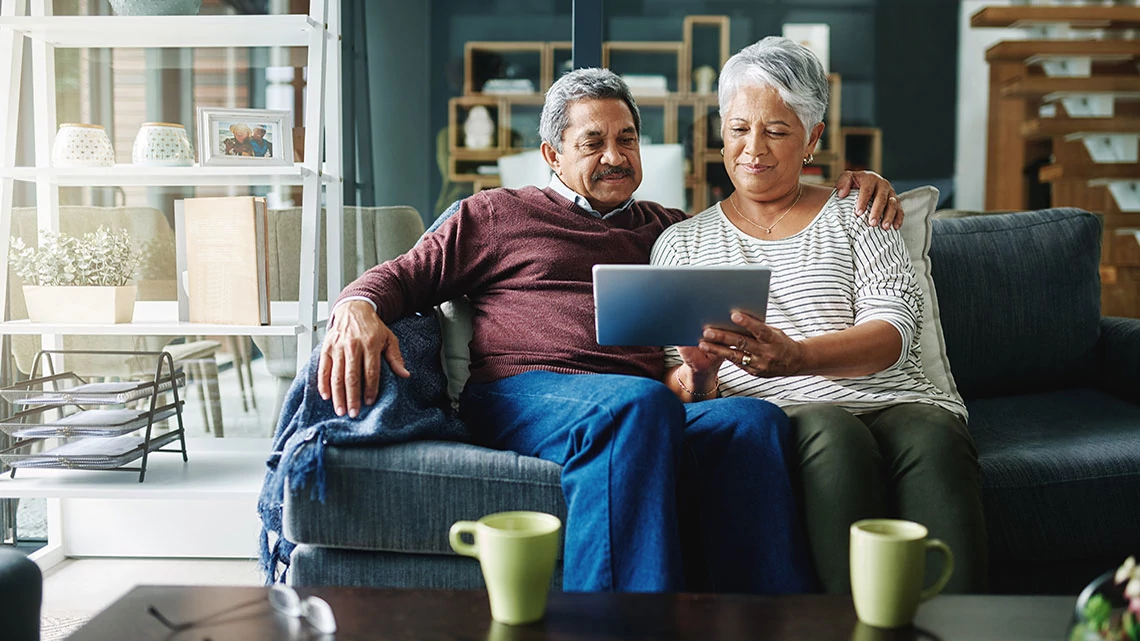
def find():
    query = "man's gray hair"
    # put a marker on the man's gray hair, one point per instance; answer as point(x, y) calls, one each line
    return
point(789, 68)
point(581, 84)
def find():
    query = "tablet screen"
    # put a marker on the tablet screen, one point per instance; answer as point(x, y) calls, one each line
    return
point(657, 305)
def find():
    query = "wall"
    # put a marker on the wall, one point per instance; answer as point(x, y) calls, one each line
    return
point(399, 67)
point(897, 58)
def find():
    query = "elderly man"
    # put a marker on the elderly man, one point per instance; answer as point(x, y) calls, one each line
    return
point(541, 385)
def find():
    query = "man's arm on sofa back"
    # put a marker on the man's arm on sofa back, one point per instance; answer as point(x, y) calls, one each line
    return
point(1119, 354)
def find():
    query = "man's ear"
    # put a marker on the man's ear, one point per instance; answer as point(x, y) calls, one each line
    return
point(550, 155)
point(813, 139)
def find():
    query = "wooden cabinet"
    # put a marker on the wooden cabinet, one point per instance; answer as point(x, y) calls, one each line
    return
point(1064, 121)
point(674, 113)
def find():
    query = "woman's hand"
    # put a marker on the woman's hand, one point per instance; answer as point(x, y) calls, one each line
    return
point(760, 350)
point(875, 191)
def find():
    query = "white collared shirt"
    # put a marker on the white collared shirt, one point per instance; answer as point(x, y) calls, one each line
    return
point(578, 199)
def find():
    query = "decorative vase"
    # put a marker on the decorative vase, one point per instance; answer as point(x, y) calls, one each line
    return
point(80, 305)
point(1102, 612)
point(162, 144)
point(156, 7)
point(82, 146)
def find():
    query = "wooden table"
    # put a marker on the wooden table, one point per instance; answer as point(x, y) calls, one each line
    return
point(243, 614)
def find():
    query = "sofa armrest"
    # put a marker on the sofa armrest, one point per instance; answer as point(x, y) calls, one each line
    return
point(1118, 352)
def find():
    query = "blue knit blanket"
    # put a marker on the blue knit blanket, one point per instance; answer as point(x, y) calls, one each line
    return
point(416, 408)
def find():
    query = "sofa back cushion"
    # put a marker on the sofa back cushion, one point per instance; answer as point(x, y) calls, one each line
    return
point(1019, 296)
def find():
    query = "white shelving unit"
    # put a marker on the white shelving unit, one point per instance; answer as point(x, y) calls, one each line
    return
point(85, 501)
point(319, 32)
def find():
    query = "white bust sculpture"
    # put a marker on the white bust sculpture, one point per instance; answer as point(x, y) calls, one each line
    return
point(478, 129)
point(704, 76)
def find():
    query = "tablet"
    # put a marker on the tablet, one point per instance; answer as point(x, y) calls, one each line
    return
point(658, 305)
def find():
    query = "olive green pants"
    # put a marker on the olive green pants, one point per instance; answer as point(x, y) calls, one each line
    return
point(912, 461)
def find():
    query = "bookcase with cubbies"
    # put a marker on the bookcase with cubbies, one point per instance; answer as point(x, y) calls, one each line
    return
point(510, 79)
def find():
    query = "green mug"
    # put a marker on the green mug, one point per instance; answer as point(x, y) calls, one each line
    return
point(517, 552)
point(888, 562)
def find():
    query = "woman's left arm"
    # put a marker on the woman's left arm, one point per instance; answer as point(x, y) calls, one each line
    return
point(887, 312)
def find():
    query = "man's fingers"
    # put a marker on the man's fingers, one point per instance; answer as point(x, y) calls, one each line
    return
point(352, 376)
point(844, 184)
point(324, 370)
point(371, 376)
point(893, 216)
point(337, 381)
point(395, 358)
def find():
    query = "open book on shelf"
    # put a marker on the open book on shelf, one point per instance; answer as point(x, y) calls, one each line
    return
point(223, 255)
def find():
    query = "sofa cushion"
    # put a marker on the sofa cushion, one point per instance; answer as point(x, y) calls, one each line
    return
point(1019, 296)
point(405, 497)
point(919, 205)
point(1061, 474)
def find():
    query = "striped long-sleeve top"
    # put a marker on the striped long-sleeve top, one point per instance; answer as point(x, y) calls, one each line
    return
point(836, 273)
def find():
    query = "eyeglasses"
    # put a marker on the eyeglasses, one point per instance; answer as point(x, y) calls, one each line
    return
point(282, 598)
point(314, 610)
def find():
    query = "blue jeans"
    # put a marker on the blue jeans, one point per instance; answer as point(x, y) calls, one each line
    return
point(626, 445)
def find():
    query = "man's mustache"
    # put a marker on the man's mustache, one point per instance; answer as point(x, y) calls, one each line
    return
point(612, 171)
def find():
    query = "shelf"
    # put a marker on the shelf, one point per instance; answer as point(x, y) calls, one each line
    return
point(152, 319)
point(1058, 172)
point(1122, 17)
point(1049, 127)
point(219, 469)
point(1023, 50)
point(165, 31)
point(1039, 86)
point(126, 174)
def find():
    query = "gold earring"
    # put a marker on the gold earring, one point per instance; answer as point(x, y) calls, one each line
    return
point(722, 152)
point(809, 159)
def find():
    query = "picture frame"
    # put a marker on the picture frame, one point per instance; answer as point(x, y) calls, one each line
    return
point(251, 137)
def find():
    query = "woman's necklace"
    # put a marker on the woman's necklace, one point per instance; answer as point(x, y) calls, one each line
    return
point(767, 230)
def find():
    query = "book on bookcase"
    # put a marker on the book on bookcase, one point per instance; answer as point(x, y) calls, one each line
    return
point(223, 256)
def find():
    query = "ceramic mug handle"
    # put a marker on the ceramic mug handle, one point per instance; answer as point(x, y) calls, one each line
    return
point(457, 542)
point(947, 569)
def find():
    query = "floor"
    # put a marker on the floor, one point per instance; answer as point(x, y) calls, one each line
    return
point(83, 587)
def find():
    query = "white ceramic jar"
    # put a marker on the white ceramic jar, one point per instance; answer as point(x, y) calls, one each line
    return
point(82, 146)
point(162, 144)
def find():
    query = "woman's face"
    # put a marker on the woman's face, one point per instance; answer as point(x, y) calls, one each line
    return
point(764, 143)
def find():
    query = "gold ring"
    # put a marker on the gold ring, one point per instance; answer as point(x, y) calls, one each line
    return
point(746, 359)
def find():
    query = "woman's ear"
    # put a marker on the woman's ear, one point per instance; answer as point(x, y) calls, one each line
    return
point(551, 156)
point(813, 139)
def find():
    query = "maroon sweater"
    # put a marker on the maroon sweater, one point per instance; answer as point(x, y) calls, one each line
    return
point(524, 258)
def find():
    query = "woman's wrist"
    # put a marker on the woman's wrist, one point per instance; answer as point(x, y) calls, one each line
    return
point(699, 385)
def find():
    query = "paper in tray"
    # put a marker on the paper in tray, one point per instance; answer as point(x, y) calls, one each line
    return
point(88, 423)
point(90, 453)
point(90, 393)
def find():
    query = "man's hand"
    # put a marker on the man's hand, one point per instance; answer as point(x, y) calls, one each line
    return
point(350, 357)
point(885, 206)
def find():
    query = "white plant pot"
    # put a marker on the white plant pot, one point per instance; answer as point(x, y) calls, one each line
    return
point(162, 144)
point(82, 146)
point(77, 305)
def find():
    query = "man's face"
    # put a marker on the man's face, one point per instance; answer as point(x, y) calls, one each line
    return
point(258, 134)
point(601, 154)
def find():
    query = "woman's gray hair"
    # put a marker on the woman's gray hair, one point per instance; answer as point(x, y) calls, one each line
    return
point(581, 84)
point(789, 68)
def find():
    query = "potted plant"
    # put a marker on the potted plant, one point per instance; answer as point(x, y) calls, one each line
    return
point(77, 279)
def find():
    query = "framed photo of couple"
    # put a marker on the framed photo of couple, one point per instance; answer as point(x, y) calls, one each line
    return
point(245, 137)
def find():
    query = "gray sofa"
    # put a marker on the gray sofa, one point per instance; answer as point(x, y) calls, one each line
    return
point(1052, 389)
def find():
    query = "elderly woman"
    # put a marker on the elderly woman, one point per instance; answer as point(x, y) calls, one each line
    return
point(839, 349)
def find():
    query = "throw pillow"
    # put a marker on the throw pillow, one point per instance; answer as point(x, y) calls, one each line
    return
point(919, 204)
